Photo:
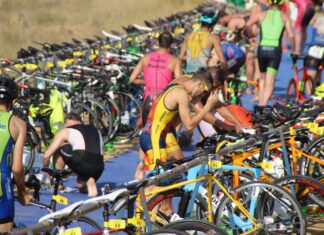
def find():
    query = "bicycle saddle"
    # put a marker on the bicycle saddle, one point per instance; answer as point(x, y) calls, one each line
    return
point(57, 172)
point(135, 185)
point(61, 214)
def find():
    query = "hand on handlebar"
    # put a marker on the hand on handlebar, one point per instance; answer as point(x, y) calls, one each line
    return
point(294, 57)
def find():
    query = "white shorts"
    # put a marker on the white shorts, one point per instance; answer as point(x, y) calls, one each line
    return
point(207, 129)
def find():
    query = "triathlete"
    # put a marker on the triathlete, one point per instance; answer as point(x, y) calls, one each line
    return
point(81, 148)
point(197, 46)
point(272, 23)
point(234, 55)
point(172, 106)
point(314, 60)
point(159, 69)
point(13, 133)
point(306, 11)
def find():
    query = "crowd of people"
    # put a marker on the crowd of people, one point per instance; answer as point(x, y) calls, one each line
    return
point(176, 86)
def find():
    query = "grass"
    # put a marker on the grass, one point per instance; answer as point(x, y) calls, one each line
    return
point(61, 20)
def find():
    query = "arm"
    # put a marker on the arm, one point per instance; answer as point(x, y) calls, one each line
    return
point(19, 134)
point(182, 54)
point(218, 49)
point(289, 31)
point(134, 79)
point(254, 19)
point(209, 117)
point(227, 114)
point(178, 68)
point(59, 139)
point(184, 110)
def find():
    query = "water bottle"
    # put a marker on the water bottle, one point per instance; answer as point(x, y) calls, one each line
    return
point(278, 167)
point(125, 118)
point(40, 85)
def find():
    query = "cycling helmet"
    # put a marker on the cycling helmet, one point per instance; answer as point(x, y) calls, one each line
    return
point(8, 89)
point(276, 2)
point(278, 114)
point(282, 114)
point(209, 17)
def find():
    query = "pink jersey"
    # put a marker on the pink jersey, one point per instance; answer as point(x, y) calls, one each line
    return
point(303, 3)
point(156, 73)
point(305, 12)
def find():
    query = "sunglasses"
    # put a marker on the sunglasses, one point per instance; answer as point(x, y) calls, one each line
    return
point(205, 87)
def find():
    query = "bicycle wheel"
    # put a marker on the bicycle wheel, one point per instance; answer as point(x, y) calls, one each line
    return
point(274, 210)
point(166, 232)
point(32, 145)
point(305, 189)
point(309, 167)
point(105, 124)
point(130, 111)
point(111, 106)
point(85, 112)
point(309, 87)
point(193, 226)
point(179, 205)
point(291, 94)
point(87, 226)
point(28, 154)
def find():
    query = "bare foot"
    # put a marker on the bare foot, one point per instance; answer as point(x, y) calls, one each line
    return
point(92, 187)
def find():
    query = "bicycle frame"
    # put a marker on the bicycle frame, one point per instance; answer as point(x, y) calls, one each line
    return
point(238, 159)
point(299, 89)
point(251, 224)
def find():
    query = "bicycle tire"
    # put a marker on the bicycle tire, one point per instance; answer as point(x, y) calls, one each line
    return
point(105, 124)
point(87, 225)
point(291, 93)
point(309, 167)
point(309, 87)
point(127, 102)
point(29, 158)
point(85, 112)
point(192, 226)
point(275, 210)
point(309, 190)
point(112, 107)
point(166, 232)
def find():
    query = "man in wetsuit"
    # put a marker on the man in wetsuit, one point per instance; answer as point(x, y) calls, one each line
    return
point(81, 148)
point(272, 23)
point(12, 133)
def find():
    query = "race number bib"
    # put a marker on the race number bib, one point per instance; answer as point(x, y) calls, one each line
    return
point(316, 52)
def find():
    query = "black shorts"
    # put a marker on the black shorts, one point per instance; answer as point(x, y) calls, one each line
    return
point(269, 57)
point(83, 163)
point(313, 63)
point(147, 107)
point(308, 15)
point(234, 65)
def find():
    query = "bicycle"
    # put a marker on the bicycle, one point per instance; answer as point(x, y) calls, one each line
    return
point(244, 219)
point(114, 201)
point(300, 89)
point(84, 223)
point(309, 189)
